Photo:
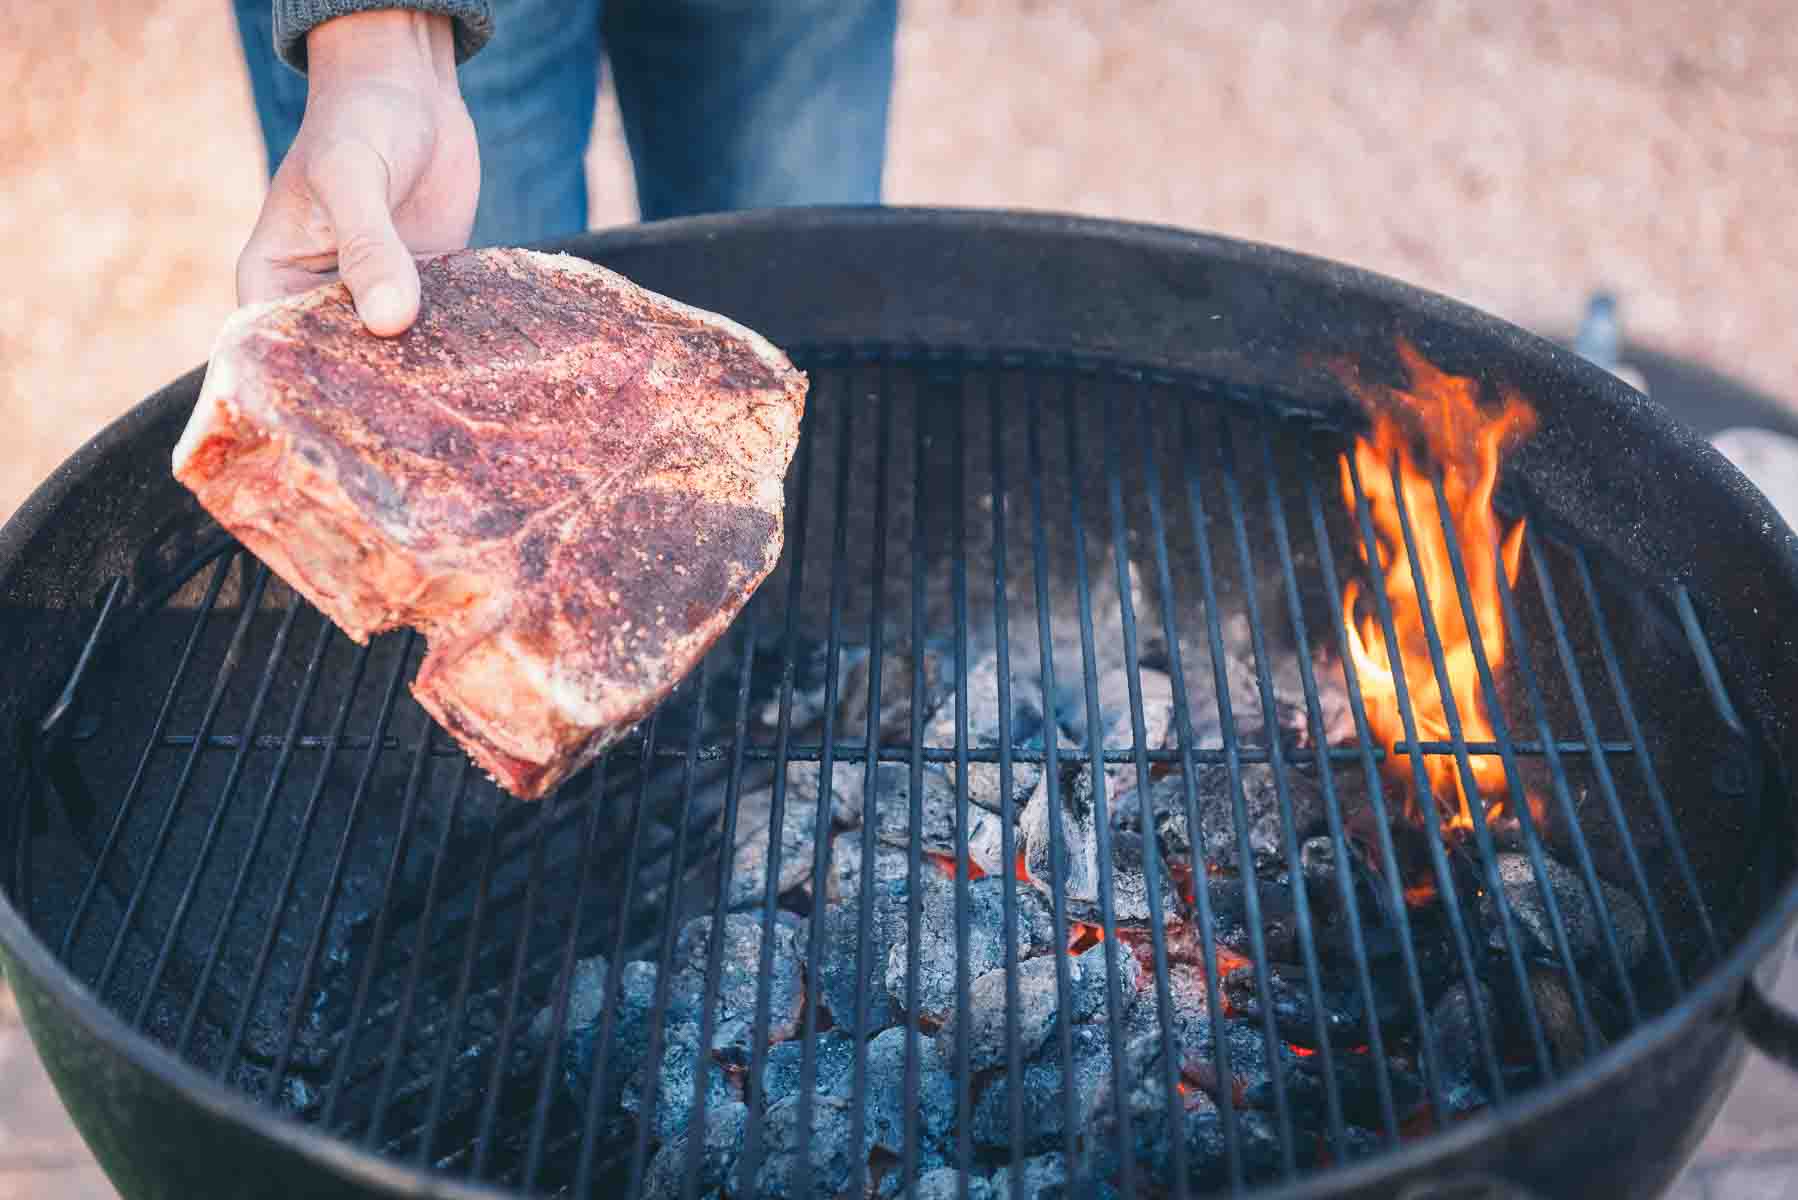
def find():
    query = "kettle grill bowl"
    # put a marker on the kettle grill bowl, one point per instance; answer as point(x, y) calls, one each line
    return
point(1607, 467)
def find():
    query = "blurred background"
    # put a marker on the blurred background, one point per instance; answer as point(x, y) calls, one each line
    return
point(1517, 156)
point(1514, 155)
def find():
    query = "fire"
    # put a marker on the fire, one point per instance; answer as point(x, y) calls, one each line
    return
point(1440, 412)
point(1083, 936)
point(1420, 894)
point(1229, 962)
point(947, 865)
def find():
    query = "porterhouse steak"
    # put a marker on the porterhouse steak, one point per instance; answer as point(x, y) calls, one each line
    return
point(570, 484)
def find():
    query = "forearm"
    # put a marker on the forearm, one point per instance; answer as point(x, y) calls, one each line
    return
point(295, 19)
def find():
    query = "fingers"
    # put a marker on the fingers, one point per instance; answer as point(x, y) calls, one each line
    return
point(349, 180)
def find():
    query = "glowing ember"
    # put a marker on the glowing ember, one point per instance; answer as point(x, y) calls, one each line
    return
point(1083, 936)
point(947, 865)
point(1440, 413)
point(1229, 962)
point(1420, 894)
point(1301, 1051)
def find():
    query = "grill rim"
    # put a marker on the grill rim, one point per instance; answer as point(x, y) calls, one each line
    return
point(39, 976)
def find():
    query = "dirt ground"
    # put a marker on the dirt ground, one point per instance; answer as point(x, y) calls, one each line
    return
point(1513, 155)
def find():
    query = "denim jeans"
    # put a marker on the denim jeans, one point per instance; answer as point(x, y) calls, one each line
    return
point(727, 104)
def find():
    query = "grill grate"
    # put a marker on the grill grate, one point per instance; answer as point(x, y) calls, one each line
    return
point(303, 889)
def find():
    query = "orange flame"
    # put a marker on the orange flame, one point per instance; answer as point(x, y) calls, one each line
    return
point(1083, 936)
point(946, 863)
point(1420, 894)
point(1442, 413)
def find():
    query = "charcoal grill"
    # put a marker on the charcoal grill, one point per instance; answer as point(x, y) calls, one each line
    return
point(271, 933)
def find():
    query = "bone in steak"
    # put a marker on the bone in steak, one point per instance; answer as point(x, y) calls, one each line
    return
point(570, 484)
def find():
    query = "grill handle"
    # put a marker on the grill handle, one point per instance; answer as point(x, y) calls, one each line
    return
point(1770, 1029)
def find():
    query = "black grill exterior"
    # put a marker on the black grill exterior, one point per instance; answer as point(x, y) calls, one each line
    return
point(243, 838)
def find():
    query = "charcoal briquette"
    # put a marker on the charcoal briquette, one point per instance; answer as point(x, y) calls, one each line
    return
point(1453, 1024)
point(834, 1063)
point(895, 700)
point(983, 731)
point(887, 1100)
point(674, 1075)
point(944, 1183)
point(1580, 918)
point(724, 1126)
point(939, 953)
point(587, 1008)
point(836, 974)
point(826, 1146)
point(740, 976)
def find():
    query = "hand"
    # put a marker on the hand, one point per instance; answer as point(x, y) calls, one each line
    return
point(384, 169)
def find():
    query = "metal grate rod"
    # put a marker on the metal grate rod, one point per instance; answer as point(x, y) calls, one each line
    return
point(1526, 670)
point(1051, 781)
point(1152, 865)
point(1258, 954)
point(858, 1176)
point(1183, 732)
point(227, 670)
point(128, 802)
point(1482, 834)
point(1650, 778)
point(1345, 884)
point(223, 805)
point(215, 950)
point(1606, 786)
point(1526, 819)
point(1008, 852)
point(333, 890)
point(1120, 1067)
point(777, 808)
point(1282, 789)
point(1426, 800)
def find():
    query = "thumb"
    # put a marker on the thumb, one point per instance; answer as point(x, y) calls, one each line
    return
point(350, 181)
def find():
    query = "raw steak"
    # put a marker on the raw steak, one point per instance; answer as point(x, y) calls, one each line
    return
point(570, 484)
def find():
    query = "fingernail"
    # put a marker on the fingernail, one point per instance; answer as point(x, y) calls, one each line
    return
point(384, 307)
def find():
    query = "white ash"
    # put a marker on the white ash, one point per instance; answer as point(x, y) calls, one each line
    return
point(833, 1064)
point(825, 1146)
point(841, 944)
point(724, 1128)
point(895, 698)
point(1579, 916)
point(582, 1030)
point(938, 952)
point(1027, 722)
point(749, 865)
point(1039, 1004)
point(944, 1183)
point(1044, 1177)
point(1080, 872)
point(887, 1102)
point(680, 1062)
point(1116, 723)
point(846, 865)
point(1045, 1091)
point(891, 808)
point(740, 970)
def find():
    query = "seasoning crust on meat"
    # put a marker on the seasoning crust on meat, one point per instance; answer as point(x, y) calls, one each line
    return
point(570, 484)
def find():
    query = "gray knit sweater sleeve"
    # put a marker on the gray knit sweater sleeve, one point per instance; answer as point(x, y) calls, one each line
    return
point(294, 19)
